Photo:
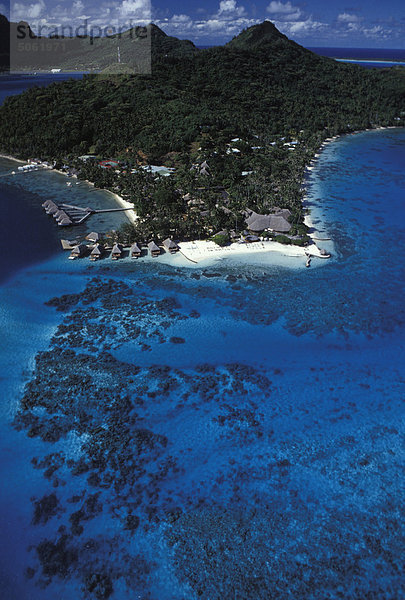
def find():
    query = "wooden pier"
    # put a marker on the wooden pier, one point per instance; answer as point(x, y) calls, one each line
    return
point(67, 214)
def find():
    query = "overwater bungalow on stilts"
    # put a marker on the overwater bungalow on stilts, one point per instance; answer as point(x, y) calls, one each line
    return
point(62, 219)
point(170, 246)
point(51, 208)
point(65, 222)
point(78, 252)
point(135, 251)
point(154, 249)
point(68, 244)
point(97, 252)
point(58, 214)
point(47, 204)
point(116, 252)
point(93, 237)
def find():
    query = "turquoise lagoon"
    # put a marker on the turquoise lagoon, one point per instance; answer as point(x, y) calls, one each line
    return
point(229, 431)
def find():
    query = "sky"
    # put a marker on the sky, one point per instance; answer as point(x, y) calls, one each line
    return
point(336, 23)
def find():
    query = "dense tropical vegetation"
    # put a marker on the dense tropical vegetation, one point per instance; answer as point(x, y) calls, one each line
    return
point(236, 107)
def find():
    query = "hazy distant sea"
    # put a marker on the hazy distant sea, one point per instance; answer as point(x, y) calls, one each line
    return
point(366, 57)
point(10, 84)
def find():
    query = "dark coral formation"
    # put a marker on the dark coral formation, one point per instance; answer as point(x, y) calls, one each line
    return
point(200, 459)
point(269, 552)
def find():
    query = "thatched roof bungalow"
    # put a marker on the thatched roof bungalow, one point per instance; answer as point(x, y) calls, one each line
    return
point(170, 246)
point(154, 249)
point(59, 214)
point(78, 252)
point(97, 252)
point(276, 222)
point(51, 208)
point(135, 251)
point(62, 218)
point(93, 237)
point(284, 212)
point(65, 221)
point(116, 252)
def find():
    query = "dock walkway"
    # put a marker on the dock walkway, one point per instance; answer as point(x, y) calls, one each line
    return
point(73, 215)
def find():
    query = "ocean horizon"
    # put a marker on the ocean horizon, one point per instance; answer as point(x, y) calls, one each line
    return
point(366, 57)
point(216, 432)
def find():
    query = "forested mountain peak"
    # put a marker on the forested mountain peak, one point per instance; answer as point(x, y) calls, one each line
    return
point(255, 111)
point(257, 35)
point(163, 44)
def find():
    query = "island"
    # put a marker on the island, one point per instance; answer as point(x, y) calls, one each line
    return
point(214, 144)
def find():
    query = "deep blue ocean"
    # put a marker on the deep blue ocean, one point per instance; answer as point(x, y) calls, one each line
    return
point(15, 84)
point(222, 431)
point(366, 57)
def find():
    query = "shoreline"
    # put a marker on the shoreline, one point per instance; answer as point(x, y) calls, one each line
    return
point(203, 249)
point(313, 163)
point(199, 250)
point(13, 158)
point(129, 213)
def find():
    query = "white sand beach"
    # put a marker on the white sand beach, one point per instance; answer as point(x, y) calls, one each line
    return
point(8, 157)
point(200, 250)
point(204, 250)
point(130, 213)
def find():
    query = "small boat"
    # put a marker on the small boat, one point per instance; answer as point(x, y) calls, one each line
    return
point(69, 183)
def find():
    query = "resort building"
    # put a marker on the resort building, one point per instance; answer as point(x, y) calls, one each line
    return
point(170, 246)
point(116, 252)
point(87, 157)
point(135, 251)
point(109, 164)
point(62, 218)
point(154, 249)
point(97, 252)
point(93, 237)
point(65, 221)
point(78, 252)
point(276, 221)
point(158, 170)
point(51, 208)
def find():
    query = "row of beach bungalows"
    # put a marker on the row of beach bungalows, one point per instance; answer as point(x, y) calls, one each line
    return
point(25, 168)
point(62, 219)
point(34, 165)
point(135, 250)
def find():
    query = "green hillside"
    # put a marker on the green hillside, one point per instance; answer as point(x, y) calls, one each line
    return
point(260, 87)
